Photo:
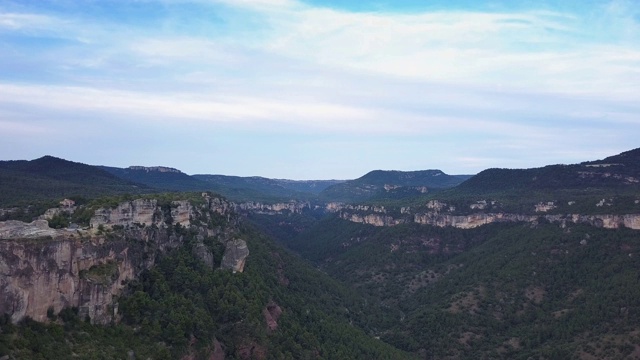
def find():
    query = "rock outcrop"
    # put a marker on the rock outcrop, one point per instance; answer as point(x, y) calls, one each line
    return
point(143, 212)
point(235, 255)
point(37, 275)
point(13, 229)
point(271, 315)
point(140, 211)
point(295, 207)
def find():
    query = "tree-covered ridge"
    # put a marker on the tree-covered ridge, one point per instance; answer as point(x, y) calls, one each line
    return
point(401, 184)
point(47, 178)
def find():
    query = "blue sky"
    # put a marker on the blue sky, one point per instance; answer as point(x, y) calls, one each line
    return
point(319, 89)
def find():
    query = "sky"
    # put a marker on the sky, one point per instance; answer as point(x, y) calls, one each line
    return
point(319, 89)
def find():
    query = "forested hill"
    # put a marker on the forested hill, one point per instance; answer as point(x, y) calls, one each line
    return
point(159, 178)
point(50, 178)
point(380, 183)
point(620, 172)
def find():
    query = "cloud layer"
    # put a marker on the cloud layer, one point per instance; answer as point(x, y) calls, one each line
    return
point(283, 88)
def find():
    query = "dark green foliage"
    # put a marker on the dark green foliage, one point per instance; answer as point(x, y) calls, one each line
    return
point(498, 291)
point(49, 178)
point(208, 304)
point(59, 221)
point(372, 185)
point(257, 188)
point(162, 180)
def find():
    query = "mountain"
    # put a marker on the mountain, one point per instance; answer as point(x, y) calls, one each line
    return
point(572, 188)
point(251, 188)
point(380, 182)
point(159, 177)
point(50, 178)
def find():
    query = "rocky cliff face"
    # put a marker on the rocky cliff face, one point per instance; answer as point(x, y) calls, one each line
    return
point(235, 255)
point(65, 270)
point(44, 269)
point(295, 207)
point(435, 218)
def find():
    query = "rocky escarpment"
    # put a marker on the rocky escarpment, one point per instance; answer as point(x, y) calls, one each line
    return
point(143, 212)
point(438, 213)
point(45, 270)
point(295, 207)
point(610, 221)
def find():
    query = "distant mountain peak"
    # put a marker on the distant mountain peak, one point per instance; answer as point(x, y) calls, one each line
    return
point(162, 169)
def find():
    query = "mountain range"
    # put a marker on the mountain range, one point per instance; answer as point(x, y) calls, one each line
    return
point(50, 177)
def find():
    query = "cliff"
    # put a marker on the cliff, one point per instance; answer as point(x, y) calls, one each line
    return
point(44, 269)
point(607, 221)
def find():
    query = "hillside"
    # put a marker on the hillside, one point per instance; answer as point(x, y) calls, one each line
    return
point(498, 291)
point(158, 177)
point(165, 265)
point(382, 183)
point(257, 188)
point(613, 181)
point(50, 178)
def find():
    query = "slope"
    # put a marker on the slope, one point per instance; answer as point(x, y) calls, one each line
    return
point(614, 181)
point(379, 182)
point(498, 291)
point(47, 178)
point(159, 177)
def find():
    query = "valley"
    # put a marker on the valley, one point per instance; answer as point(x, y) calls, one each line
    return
point(510, 263)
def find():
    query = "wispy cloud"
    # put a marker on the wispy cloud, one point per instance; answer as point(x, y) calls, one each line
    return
point(497, 83)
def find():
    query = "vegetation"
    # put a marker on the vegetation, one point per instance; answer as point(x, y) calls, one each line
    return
point(399, 185)
point(24, 183)
point(182, 306)
point(498, 291)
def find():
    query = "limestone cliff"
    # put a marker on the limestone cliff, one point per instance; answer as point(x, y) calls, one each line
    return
point(435, 218)
point(67, 270)
point(235, 255)
point(295, 207)
point(44, 269)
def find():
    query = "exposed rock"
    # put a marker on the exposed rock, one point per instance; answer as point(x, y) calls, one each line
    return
point(14, 229)
point(43, 268)
point(181, 212)
point(271, 314)
point(435, 218)
point(218, 351)
point(545, 207)
point(51, 213)
point(162, 169)
point(372, 219)
point(479, 205)
point(139, 211)
point(334, 207)
point(38, 275)
point(271, 209)
point(235, 255)
point(201, 251)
